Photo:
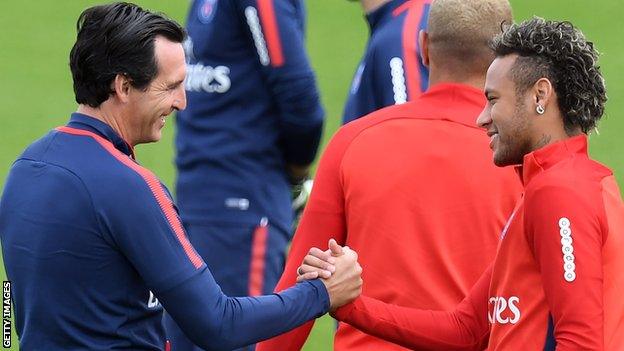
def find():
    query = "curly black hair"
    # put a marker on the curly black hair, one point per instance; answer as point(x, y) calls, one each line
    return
point(559, 52)
point(113, 39)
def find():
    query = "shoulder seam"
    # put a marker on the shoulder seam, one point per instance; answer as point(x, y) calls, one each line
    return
point(54, 135)
point(84, 186)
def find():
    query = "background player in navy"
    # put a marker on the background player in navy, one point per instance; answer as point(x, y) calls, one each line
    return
point(92, 240)
point(250, 131)
point(391, 71)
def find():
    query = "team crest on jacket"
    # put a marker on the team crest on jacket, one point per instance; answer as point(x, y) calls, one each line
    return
point(207, 10)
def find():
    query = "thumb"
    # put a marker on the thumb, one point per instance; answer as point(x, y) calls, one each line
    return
point(335, 249)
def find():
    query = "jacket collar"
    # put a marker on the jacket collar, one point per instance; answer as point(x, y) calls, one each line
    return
point(84, 122)
point(383, 13)
point(454, 102)
point(542, 159)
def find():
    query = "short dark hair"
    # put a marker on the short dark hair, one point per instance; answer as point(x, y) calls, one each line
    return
point(559, 52)
point(113, 39)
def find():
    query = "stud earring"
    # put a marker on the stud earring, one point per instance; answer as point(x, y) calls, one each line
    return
point(540, 110)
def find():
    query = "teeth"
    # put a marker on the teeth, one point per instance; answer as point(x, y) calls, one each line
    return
point(492, 138)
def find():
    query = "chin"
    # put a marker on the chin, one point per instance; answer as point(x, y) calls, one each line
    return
point(151, 139)
point(505, 160)
point(500, 158)
point(156, 135)
point(504, 163)
point(500, 163)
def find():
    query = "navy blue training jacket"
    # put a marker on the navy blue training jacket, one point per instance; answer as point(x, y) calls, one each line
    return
point(93, 245)
point(391, 70)
point(253, 107)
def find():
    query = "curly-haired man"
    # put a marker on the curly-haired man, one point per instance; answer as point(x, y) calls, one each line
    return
point(556, 278)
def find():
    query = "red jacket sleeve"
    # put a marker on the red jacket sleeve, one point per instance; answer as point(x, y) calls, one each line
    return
point(323, 219)
point(465, 328)
point(564, 227)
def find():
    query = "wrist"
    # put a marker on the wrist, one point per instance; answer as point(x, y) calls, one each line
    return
point(323, 292)
point(342, 313)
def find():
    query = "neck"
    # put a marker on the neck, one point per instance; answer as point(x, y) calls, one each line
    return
point(104, 114)
point(549, 129)
point(371, 5)
point(474, 80)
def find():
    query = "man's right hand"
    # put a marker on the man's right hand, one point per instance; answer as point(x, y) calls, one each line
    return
point(339, 271)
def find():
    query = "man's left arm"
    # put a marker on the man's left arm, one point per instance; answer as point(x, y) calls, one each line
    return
point(566, 229)
point(276, 27)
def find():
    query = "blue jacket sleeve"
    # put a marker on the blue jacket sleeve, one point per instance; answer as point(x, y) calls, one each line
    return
point(217, 322)
point(276, 28)
point(143, 222)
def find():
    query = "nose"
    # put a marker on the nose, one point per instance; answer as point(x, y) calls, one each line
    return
point(179, 103)
point(485, 118)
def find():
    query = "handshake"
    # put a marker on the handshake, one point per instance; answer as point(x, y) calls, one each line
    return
point(338, 269)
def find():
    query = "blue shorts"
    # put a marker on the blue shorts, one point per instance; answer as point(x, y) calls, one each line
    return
point(244, 260)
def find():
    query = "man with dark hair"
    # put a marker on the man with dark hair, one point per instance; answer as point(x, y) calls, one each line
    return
point(246, 141)
point(556, 281)
point(92, 241)
point(389, 179)
point(391, 71)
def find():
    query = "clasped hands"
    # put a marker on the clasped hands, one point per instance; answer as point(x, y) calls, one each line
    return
point(338, 269)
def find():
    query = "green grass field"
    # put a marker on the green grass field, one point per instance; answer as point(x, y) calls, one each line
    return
point(36, 91)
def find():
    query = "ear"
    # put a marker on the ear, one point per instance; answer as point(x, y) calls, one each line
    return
point(543, 92)
point(121, 87)
point(423, 43)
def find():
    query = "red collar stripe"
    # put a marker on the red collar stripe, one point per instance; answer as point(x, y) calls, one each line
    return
point(154, 185)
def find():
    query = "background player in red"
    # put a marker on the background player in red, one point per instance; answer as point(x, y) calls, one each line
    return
point(390, 71)
point(388, 180)
point(557, 278)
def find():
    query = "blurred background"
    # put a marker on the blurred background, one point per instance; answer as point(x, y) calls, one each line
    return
point(36, 89)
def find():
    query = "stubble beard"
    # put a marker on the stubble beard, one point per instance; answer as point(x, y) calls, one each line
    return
point(515, 143)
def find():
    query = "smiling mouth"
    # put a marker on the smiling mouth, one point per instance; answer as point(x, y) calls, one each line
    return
point(493, 136)
point(164, 117)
